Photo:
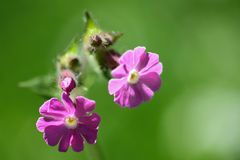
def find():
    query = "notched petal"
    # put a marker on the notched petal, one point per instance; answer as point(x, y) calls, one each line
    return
point(77, 142)
point(44, 122)
point(89, 134)
point(153, 64)
point(120, 71)
point(115, 85)
point(92, 121)
point(53, 134)
point(52, 108)
point(152, 80)
point(65, 142)
point(84, 105)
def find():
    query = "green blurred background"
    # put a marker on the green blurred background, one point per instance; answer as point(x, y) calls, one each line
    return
point(195, 115)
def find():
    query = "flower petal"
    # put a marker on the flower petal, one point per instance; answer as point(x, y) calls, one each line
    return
point(53, 134)
point(68, 103)
point(128, 96)
point(142, 61)
point(138, 52)
point(65, 141)
point(153, 64)
point(120, 71)
point(44, 122)
point(145, 91)
point(115, 85)
point(127, 59)
point(152, 80)
point(134, 96)
point(84, 105)
point(92, 121)
point(119, 98)
point(52, 108)
point(77, 142)
point(131, 57)
point(90, 134)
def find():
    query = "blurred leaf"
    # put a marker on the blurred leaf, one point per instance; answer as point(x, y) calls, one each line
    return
point(44, 85)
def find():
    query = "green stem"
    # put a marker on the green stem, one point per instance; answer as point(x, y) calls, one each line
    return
point(94, 152)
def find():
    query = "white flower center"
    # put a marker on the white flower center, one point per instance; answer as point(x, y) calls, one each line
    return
point(133, 77)
point(71, 122)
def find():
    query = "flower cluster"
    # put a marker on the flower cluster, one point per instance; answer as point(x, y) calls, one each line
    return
point(67, 123)
point(134, 77)
point(70, 123)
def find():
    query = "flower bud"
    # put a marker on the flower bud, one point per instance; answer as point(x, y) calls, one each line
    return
point(71, 62)
point(95, 40)
point(68, 84)
point(112, 59)
point(67, 80)
point(107, 39)
point(101, 40)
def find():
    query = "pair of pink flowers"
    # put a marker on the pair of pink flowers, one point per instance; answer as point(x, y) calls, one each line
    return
point(68, 123)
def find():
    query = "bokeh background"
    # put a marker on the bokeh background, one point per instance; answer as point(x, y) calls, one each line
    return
point(195, 115)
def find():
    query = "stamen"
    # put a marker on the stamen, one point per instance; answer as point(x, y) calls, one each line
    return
point(133, 77)
point(71, 122)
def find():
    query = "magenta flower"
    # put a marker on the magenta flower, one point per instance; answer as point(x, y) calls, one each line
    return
point(67, 123)
point(136, 78)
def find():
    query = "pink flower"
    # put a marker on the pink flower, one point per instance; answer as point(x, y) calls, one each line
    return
point(136, 78)
point(67, 123)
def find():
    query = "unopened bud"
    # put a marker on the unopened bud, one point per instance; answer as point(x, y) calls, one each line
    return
point(112, 59)
point(70, 61)
point(68, 84)
point(101, 40)
point(95, 40)
point(107, 39)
